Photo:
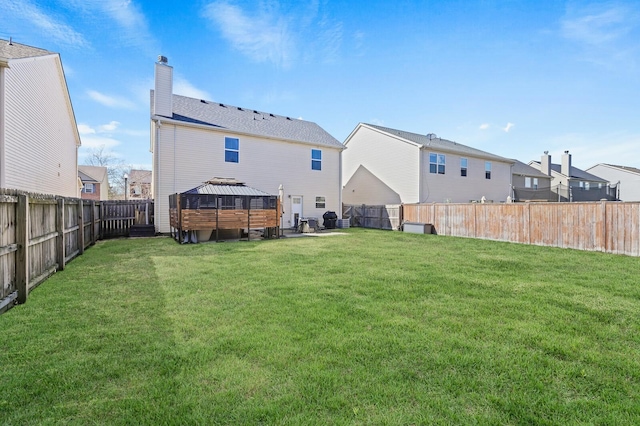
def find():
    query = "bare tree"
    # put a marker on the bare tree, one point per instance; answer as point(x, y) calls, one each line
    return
point(116, 168)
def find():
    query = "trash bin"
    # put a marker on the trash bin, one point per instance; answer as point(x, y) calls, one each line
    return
point(330, 219)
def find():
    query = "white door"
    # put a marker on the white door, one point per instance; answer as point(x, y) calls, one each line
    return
point(296, 208)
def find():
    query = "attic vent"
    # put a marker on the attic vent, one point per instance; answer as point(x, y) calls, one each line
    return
point(271, 115)
point(203, 101)
point(240, 109)
point(222, 105)
point(255, 112)
point(289, 118)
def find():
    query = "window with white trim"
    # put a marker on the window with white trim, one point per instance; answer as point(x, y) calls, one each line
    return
point(487, 169)
point(535, 183)
point(436, 163)
point(320, 202)
point(88, 188)
point(463, 167)
point(316, 159)
point(231, 150)
point(527, 182)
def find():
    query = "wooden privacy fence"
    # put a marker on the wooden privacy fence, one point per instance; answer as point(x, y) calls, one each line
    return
point(39, 234)
point(370, 216)
point(611, 227)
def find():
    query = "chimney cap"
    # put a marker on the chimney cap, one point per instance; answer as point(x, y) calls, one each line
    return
point(566, 152)
point(546, 153)
point(162, 59)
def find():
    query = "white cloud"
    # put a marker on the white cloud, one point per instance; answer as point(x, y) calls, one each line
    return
point(484, 126)
point(84, 129)
point(508, 127)
point(110, 127)
point(596, 25)
point(264, 38)
point(183, 87)
point(110, 101)
point(97, 142)
point(29, 13)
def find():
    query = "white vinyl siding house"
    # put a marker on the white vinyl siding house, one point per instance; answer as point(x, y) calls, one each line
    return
point(204, 139)
point(38, 134)
point(388, 166)
point(628, 177)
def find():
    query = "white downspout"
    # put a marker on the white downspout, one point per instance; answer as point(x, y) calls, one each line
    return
point(3, 65)
point(340, 184)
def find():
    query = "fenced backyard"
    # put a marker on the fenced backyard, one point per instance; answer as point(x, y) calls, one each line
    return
point(39, 234)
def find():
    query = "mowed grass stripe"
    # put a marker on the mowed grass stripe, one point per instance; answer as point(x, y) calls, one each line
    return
point(372, 327)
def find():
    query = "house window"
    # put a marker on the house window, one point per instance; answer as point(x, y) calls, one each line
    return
point(320, 203)
point(587, 185)
point(436, 163)
point(316, 159)
point(487, 169)
point(535, 183)
point(463, 167)
point(88, 188)
point(527, 182)
point(581, 183)
point(231, 150)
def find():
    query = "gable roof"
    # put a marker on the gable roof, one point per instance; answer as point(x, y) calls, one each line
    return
point(86, 178)
point(520, 168)
point(13, 50)
point(436, 143)
point(248, 121)
point(98, 173)
point(576, 173)
point(621, 168)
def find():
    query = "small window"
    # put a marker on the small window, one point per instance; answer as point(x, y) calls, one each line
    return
point(436, 163)
point(535, 183)
point(527, 182)
point(581, 184)
point(320, 203)
point(231, 150)
point(463, 167)
point(587, 185)
point(88, 188)
point(316, 159)
point(487, 170)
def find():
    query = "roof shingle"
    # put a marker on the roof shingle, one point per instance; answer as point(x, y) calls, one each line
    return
point(19, 51)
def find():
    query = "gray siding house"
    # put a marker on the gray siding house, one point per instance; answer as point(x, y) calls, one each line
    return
point(381, 165)
point(573, 184)
point(530, 184)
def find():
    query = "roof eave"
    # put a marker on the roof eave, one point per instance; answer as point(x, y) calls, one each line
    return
point(163, 119)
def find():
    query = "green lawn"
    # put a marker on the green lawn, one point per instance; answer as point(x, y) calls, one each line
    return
point(372, 327)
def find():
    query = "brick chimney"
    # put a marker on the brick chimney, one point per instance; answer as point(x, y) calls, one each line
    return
point(545, 164)
point(163, 93)
point(565, 167)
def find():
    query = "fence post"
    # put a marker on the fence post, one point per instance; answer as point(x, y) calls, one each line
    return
point(22, 255)
point(603, 243)
point(92, 217)
point(80, 213)
point(60, 246)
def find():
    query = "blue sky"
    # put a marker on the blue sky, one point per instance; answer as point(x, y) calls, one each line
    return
point(514, 78)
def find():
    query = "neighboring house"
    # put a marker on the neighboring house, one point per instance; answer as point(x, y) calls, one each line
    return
point(195, 139)
point(95, 182)
point(39, 138)
point(573, 184)
point(628, 177)
point(140, 184)
point(530, 184)
point(387, 166)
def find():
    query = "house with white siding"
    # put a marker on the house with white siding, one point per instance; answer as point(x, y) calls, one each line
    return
point(628, 177)
point(388, 166)
point(194, 140)
point(39, 138)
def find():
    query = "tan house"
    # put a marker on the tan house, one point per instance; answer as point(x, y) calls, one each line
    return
point(95, 182)
point(195, 139)
point(381, 165)
point(39, 138)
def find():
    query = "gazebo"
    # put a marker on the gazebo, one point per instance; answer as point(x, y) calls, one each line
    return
point(224, 208)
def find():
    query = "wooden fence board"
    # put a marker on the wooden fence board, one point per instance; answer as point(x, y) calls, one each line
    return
point(611, 227)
